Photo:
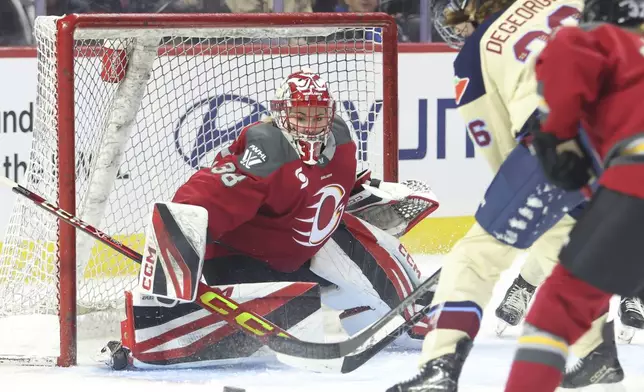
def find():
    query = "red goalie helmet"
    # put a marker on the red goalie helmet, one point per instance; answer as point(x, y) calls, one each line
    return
point(304, 108)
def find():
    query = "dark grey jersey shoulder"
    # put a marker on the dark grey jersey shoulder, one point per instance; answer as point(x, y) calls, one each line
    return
point(340, 131)
point(266, 150)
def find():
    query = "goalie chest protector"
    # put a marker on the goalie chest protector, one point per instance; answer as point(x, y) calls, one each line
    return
point(298, 206)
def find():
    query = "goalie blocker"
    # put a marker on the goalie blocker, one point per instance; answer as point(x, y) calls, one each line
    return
point(362, 271)
point(174, 249)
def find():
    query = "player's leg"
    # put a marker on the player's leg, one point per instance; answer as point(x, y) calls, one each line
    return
point(187, 335)
point(541, 259)
point(517, 297)
point(467, 280)
point(371, 273)
point(597, 357)
point(511, 217)
point(603, 251)
point(562, 311)
point(596, 349)
point(542, 222)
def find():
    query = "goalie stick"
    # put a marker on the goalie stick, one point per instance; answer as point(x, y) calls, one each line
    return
point(356, 359)
point(381, 339)
point(390, 326)
point(370, 341)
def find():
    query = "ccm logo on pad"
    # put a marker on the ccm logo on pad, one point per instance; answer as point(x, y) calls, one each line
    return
point(149, 263)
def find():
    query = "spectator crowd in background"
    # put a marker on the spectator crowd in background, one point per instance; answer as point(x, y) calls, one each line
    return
point(17, 16)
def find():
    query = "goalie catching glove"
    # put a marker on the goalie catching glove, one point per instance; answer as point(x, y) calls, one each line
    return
point(393, 207)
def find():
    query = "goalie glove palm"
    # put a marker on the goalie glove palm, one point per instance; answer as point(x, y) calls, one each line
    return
point(392, 207)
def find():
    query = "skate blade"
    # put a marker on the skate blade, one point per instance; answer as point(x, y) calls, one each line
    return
point(625, 335)
point(501, 326)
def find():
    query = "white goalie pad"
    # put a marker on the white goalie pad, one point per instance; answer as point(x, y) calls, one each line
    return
point(175, 245)
point(393, 207)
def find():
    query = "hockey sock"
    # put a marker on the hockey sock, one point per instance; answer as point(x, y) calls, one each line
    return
point(532, 377)
point(539, 362)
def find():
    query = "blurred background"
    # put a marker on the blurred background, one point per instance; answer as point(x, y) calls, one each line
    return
point(17, 16)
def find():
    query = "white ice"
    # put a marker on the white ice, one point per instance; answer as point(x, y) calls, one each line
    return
point(485, 371)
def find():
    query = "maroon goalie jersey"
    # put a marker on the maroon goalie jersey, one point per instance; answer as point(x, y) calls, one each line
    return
point(264, 202)
point(595, 77)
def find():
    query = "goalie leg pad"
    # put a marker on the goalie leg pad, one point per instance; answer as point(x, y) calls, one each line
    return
point(520, 204)
point(186, 335)
point(372, 273)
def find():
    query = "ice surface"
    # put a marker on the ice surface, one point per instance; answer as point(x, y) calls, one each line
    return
point(485, 371)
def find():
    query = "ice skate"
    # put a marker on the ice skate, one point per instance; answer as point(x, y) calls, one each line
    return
point(631, 316)
point(440, 374)
point(601, 366)
point(514, 305)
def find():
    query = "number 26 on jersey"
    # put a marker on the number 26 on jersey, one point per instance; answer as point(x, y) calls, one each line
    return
point(479, 133)
point(522, 48)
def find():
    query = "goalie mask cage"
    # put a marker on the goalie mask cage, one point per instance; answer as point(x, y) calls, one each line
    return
point(127, 108)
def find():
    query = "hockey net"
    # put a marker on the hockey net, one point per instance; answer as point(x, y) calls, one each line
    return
point(128, 107)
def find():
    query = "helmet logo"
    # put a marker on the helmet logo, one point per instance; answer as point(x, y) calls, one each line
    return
point(307, 84)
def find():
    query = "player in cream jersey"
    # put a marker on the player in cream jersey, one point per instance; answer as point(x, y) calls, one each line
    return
point(496, 98)
point(496, 93)
point(495, 83)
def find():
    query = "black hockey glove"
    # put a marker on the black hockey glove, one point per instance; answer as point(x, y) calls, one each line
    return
point(564, 162)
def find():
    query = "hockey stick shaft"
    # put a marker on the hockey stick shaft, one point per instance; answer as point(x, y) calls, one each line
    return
point(354, 360)
point(362, 355)
point(390, 324)
point(208, 298)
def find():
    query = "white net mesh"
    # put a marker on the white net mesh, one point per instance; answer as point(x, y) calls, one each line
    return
point(140, 135)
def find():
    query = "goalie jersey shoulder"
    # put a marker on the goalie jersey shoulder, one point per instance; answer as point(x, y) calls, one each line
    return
point(261, 149)
point(340, 131)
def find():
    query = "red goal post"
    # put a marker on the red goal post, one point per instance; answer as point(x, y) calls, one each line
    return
point(90, 132)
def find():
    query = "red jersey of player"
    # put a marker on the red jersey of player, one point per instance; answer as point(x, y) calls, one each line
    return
point(279, 191)
point(593, 76)
point(600, 85)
